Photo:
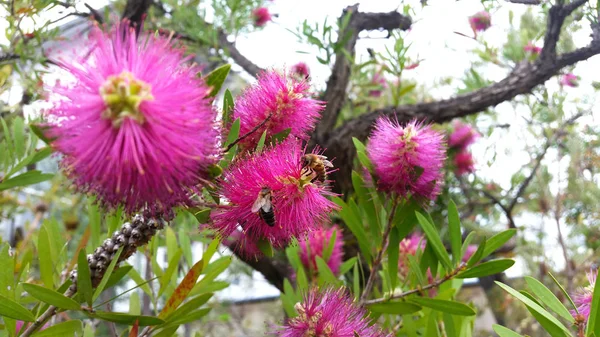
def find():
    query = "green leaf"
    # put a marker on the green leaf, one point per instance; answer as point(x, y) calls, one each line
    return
point(183, 289)
point(361, 152)
point(394, 308)
point(190, 317)
point(40, 154)
point(7, 265)
point(134, 304)
point(355, 281)
point(167, 276)
point(454, 230)
point(202, 215)
point(210, 251)
point(498, 241)
point(434, 240)
point(261, 141)
point(68, 328)
point(234, 132)
point(187, 307)
point(117, 276)
point(279, 137)
point(504, 332)
point(326, 276)
point(347, 265)
point(451, 307)
point(562, 289)
point(487, 268)
point(288, 298)
point(533, 306)
point(51, 297)
point(84, 280)
point(393, 253)
point(265, 247)
point(25, 179)
point(227, 107)
point(39, 131)
point(107, 274)
point(301, 279)
point(128, 319)
point(216, 78)
point(19, 136)
point(548, 298)
point(167, 332)
point(45, 257)
point(355, 227)
point(12, 309)
point(476, 257)
point(368, 206)
point(593, 324)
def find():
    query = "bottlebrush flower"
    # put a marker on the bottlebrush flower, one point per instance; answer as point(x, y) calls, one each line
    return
point(409, 246)
point(134, 126)
point(301, 70)
point(240, 243)
point(533, 49)
point(481, 21)
point(471, 249)
point(569, 80)
point(261, 16)
point(462, 136)
point(464, 163)
point(285, 101)
point(583, 298)
point(380, 82)
point(298, 205)
point(329, 312)
point(407, 160)
point(315, 245)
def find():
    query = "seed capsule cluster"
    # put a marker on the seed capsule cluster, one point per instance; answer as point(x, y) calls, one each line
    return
point(131, 236)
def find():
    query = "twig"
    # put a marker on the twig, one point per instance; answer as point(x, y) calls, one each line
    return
point(248, 133)
point(384, 245)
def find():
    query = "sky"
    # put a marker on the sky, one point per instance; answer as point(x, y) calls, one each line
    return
point(444, 54)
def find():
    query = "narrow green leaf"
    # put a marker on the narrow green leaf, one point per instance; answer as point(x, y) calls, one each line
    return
point(68, 328)
point(362, 154)
point(279, 137)
point(94, 219)
point(210, 251)
point(261, 141)
point(40, 155)
point(227, 107)
point(393, 253)
point(39, 131)
point(19, 136)
point(329, 245)
point(189, 306)
point(234, 132)
point(487, 268)
point(326, 276)
point(202, 215)
point(216, 78)
point(454, 230)
point(593, 324)
point(186, 246)
point(84, 280)
point(107, 274)
point(562, 289)
point(117, 276)
point(190, 317)
point(46, 259)
point(51, 297)
point(367, 205)
point(265, 247)
point(449, 325)
point(182, 290)
point(451, 307)
point(25, 179)
point(395, 308)
point(466, 243)
point(356, 281)
point(134, 304)
point(167, 332)
point(355, 227)
point(548, 298)
point(168, 275)
point(504, 332)
point(347, 265)
point(498, 241)
point(139, 281)
point(7, 265)
point(434, 240)
point(128, 319)
point(12, 309)
point(301, 279)
point(476, 257)
point(288, 298)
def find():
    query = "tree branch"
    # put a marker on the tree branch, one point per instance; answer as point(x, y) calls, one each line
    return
point(135, 12)
point(525, 2)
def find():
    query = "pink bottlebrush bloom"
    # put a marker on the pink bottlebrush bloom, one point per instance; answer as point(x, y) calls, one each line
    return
point(134, 126)
point(532, 49)
point(407, 160)
point(315, 245)
point(240, 243)
point(301, 70)
point(296, 203)
point(409, 246)
point(379, 81)
point(569, 80)
point(284, 100)
point(471, 249)
point(464, 163)
point(261, 16)
point(329, 312)
point(462, 136)
point(583, 298)
point(481, 21)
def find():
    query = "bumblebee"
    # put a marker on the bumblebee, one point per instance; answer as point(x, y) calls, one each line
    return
point(264, 207)
point(316, 165)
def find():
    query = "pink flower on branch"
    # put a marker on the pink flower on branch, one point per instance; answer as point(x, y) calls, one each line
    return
point(261, 16)
point(462, 136)
point(408, 159)
point(409, 246)
point(464, 163)
point(317, 244)
point(569, 80)
point(583, 298)
point(329, 312)
point(481, 21)
point(283, 101)
point(301, 70)
point(134, 126)
point(532, 49)
point(271, 197)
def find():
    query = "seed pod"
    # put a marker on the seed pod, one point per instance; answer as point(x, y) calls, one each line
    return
point(108, 245)
point(136, 234)
point(126, 229)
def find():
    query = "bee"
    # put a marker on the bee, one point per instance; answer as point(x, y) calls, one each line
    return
point(264, 207)
point(316, 165)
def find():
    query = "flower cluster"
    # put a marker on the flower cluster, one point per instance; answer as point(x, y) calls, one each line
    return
point(583, 299)
point(275, 103)
point(133, 125)
point(329, 312)
point(480, 22)
point(261, 16)
point(407, 160)
point(380, 83)
point(532, 49)
point(316, 244)
point(569, 80)
point(300, 70)
point(409, 247)
point(459, 140)
point(272, 197)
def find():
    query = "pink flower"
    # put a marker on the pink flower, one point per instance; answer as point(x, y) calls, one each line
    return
point(409, 246)
point(532, 49)
point(569, 80)
point(471, 249)
point(301, 70)
point(134, 126)
point(462, 136)
point(481, 21)
point(463, 162)
point(379, 81)
point(285, 101)
point(240, 243)
point(316, 244)
point(329, 312)
point(271, 197)
point(583, 298)
point(261, 16)
point(412, 66)
point(407, 160)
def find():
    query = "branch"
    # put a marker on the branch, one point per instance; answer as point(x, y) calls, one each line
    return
point(235, 54)
point(525, 2)
point(274, 272)
point(239, 139)
point(337, 84)
point(135, 12)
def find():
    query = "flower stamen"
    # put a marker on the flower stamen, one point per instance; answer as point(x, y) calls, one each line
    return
point(123, 95)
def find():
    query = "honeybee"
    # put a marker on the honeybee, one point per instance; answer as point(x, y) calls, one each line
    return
point(264, 207)
point(316, 165)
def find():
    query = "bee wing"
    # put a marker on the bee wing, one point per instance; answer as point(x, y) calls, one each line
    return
point(258, 204)
point(327, 163)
